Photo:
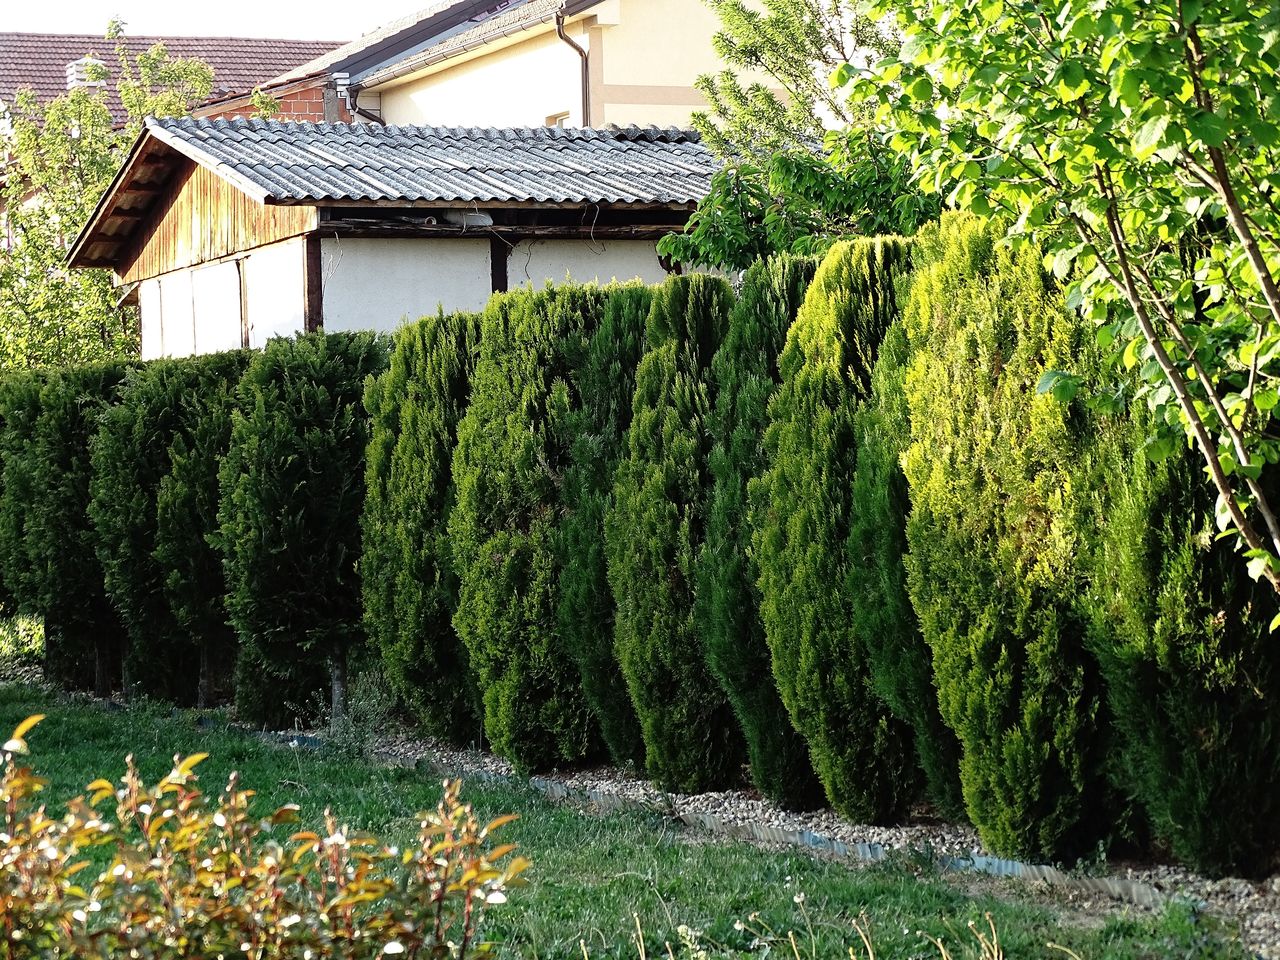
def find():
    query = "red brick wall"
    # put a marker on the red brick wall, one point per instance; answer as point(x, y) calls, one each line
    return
point(307, 104)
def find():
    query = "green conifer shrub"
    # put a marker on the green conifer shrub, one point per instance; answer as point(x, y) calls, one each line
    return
point(292, 492)
point(19, 410)
point(195, 585)
point(997, 476)
point(882, 618)
point(159, 404)
point(744, 375)
point(84, 638)
point(505, 525)
point(1192, 672)
point(653, 532)
point(801, 509)
point(407, 570)
point(596, 440)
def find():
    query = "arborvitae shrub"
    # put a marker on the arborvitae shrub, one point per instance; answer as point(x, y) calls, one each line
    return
point(410, 588)
point(596, 439)
point(159, 404)
point(504, 527)
point(1192, 671)
point(84, 639)
point(19, 410)
point(801, 513)
point(997, 475)
point(744, 375)
point(195, 585)
point(883, 621)
point(292, 493)
point(653, 532)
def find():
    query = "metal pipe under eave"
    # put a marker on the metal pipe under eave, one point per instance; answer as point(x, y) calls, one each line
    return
point(586, 66)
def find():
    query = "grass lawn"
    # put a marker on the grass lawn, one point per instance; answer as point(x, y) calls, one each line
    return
point(593, 876)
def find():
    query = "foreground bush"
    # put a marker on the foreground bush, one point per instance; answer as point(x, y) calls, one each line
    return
point(654, 532)
point(744, 375)
point(160, 404)
point(51, 565)
point(883, 619)
point(801, 514)
point(998, 531)
point(505, 525)
point(292, 494)
point(407, 570)
point(1192, 671)
point(596, 440)
point(209, 878)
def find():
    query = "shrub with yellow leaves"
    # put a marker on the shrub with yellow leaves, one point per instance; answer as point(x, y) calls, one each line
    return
point(187, 876)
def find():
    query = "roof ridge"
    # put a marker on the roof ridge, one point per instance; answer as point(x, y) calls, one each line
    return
point(632, 133)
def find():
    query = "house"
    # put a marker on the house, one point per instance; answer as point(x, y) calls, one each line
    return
point(510, 63)
point(233, 231)
point(51, 63)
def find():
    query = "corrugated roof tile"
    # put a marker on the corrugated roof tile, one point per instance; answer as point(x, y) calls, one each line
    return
point(334, 162)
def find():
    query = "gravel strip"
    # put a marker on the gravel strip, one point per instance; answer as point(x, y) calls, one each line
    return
point(1255, 906)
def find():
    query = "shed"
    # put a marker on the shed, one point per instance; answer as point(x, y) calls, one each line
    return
point(233, 231)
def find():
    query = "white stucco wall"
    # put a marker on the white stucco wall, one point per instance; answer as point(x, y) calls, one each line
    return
point(518, 85)
point(274, 278)
point(376, 284)
point(178, 323)
point(216, 292)
point(149, 310)
point(535, 262)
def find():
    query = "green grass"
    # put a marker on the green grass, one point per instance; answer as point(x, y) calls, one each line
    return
point(594, 875)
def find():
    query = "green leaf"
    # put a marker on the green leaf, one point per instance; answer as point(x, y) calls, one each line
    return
point(1150, 137)
point(920, 89)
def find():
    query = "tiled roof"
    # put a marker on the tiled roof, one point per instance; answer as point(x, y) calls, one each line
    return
point(332, 162)
point(39, 60)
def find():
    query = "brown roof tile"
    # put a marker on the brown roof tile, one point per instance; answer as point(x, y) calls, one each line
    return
point(39, 60)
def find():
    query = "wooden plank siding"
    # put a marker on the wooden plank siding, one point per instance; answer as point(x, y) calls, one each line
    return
point(200, 218)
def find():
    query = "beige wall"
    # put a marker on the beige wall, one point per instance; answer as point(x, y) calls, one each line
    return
point(513, 85)
point(645, 57)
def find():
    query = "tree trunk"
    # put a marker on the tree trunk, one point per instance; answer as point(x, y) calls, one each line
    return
point(203, 693)
point(338, 674)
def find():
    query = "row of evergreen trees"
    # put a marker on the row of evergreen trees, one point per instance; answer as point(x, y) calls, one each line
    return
point(825, 526)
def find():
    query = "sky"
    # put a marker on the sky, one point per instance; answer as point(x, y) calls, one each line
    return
point(293, 19)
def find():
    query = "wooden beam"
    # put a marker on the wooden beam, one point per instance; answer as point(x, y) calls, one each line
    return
point(511, 232)
point(499, 252)
point(313, 286)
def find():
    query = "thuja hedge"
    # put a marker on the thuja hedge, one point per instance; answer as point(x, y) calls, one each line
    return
point(292, 492)
point(596, 435)
point(653, 533)
point(161, 407)
point(882, 617)
point(999, 478)
point(745, 375)
point(1192, 671)
point(50, 565)
point(407, 569)
point(187, 500)
point(801, 507)
point(508, 469)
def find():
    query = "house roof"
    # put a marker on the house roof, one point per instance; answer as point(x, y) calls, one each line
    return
point(39, 60)
point(306, 163)
point(337, 164)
